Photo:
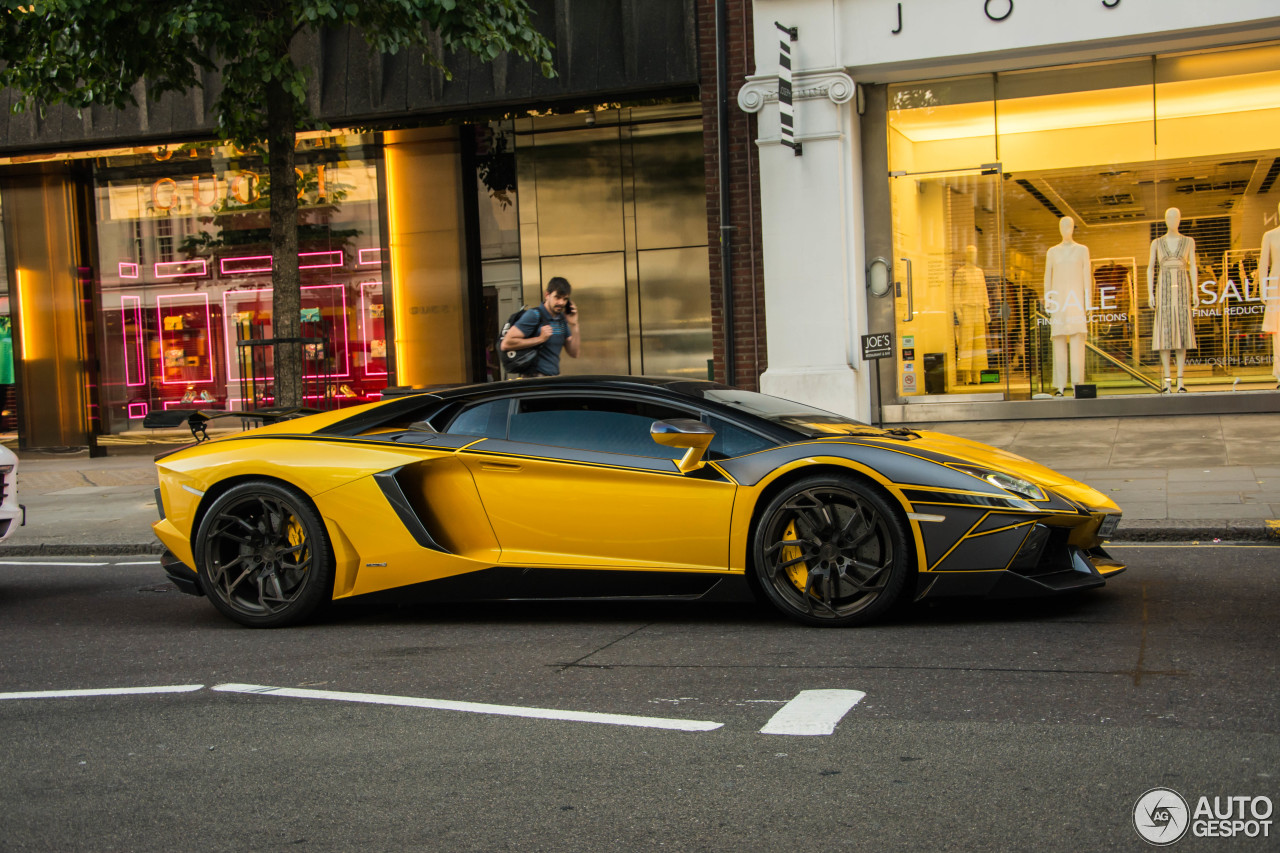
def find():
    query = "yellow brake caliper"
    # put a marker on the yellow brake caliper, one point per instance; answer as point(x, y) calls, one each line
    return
point(799, 572)
point(296, 536)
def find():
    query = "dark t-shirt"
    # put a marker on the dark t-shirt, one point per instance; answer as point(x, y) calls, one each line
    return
point(530, 325)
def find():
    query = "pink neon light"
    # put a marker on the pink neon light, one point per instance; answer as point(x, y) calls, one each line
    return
point(334, 259)
point(369, 257)
point(262, 263)
point(366, 301)
point(137, 410)
point(231, 266)
point(128, 269)
point(137, 340)
point(232, 402)
point(174, 269)
point(228, 310)
point(201, 299)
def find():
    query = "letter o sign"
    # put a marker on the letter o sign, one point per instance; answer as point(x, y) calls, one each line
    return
point(1006, 5)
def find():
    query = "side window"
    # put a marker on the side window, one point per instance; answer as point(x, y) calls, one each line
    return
point(605, 424)
point(731, 441)
point(487, 420)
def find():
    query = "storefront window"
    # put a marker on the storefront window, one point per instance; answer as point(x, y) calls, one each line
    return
point(1060, 224)
point(616, 203)
point(184, 246)
point(1217, 129)
point(942, 124)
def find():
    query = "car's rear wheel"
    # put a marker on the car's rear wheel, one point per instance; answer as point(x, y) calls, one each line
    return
point(263, 555)
point(830, 550)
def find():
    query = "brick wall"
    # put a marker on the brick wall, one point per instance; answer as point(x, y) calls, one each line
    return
point(746, 264)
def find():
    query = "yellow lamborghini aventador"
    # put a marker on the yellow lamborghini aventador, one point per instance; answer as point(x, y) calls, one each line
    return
point(616, 486)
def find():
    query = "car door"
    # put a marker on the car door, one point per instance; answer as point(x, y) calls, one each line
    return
point(575, 480)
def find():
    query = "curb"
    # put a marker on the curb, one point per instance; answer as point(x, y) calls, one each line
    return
point(73, 550)
point(1226, 530)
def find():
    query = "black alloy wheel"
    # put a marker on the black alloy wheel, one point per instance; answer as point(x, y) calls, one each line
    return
point(831, 551)
point(263, 556)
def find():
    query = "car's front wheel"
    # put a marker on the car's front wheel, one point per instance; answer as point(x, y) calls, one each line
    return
point(830, 550)
point(263, 556)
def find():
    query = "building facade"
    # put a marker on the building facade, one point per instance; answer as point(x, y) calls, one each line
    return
point(136, 266)
point(1037, 199)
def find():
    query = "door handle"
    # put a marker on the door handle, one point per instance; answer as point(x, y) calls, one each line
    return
point(508, 467)
point(911, 296)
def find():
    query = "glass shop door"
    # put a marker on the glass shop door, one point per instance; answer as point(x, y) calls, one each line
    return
point(962, 324)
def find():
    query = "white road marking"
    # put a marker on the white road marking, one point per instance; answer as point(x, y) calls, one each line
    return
point(813, 712)
point(45, 563)
point(109, 691)
point(475, 707)
point(139, 563)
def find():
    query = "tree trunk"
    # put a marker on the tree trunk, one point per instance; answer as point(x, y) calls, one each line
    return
point(286, 304)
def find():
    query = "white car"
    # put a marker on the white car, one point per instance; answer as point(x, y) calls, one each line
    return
point(10, 509)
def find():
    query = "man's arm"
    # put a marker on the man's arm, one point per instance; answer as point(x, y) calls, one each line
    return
point(517, 339)
point(572, 343)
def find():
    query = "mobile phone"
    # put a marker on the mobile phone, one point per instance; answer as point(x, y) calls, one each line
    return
point(568, 307)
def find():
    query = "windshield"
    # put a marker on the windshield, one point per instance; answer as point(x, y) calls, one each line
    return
point(796, 416)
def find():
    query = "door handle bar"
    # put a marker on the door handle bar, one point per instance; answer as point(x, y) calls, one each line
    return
point(911, 300)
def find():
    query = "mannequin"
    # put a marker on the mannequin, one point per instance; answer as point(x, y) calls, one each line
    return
point(1269, 286)
point(1173, 294)
point(1066, 282)
point(969, 296)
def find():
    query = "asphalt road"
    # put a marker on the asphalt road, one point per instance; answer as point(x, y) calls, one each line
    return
point(989, 726)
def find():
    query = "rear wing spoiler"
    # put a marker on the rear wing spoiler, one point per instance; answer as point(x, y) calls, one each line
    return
point(197, 419)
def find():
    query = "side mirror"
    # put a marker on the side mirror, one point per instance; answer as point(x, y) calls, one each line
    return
point(694, 436)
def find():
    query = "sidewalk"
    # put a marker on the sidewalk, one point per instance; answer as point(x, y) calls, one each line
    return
point(1177, 478)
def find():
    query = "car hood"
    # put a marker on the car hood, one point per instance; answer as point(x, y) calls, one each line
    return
point(984, 455)
point(993, 457)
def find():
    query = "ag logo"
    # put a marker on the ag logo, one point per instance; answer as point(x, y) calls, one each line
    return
point(1161, 816)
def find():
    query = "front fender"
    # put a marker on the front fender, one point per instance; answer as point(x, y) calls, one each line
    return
point(755, 495)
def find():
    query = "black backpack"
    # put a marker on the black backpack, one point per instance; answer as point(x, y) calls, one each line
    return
point(519, 361)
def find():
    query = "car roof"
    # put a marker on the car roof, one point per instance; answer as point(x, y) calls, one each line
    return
point(671, 388)
point(690, 388)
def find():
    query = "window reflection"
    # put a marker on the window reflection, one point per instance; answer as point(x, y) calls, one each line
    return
point(185, 255)
point(619, 209)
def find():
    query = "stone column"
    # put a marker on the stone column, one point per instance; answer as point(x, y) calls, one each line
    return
point(814, 271)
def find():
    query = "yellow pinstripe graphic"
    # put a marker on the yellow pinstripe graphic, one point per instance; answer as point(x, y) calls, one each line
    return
point(1002, 529)
point(970, 534)
point(958, 541)
point(1020, 544)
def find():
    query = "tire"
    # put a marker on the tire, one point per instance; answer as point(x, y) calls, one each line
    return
point(263, 557)
point(830, 550)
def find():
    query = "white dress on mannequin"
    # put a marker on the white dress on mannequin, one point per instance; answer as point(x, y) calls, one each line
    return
point(1066, 291)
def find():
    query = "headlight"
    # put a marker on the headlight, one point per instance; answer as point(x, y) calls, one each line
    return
point(1008, 482)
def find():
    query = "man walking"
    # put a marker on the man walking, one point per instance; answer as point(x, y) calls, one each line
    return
point(553, 326)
